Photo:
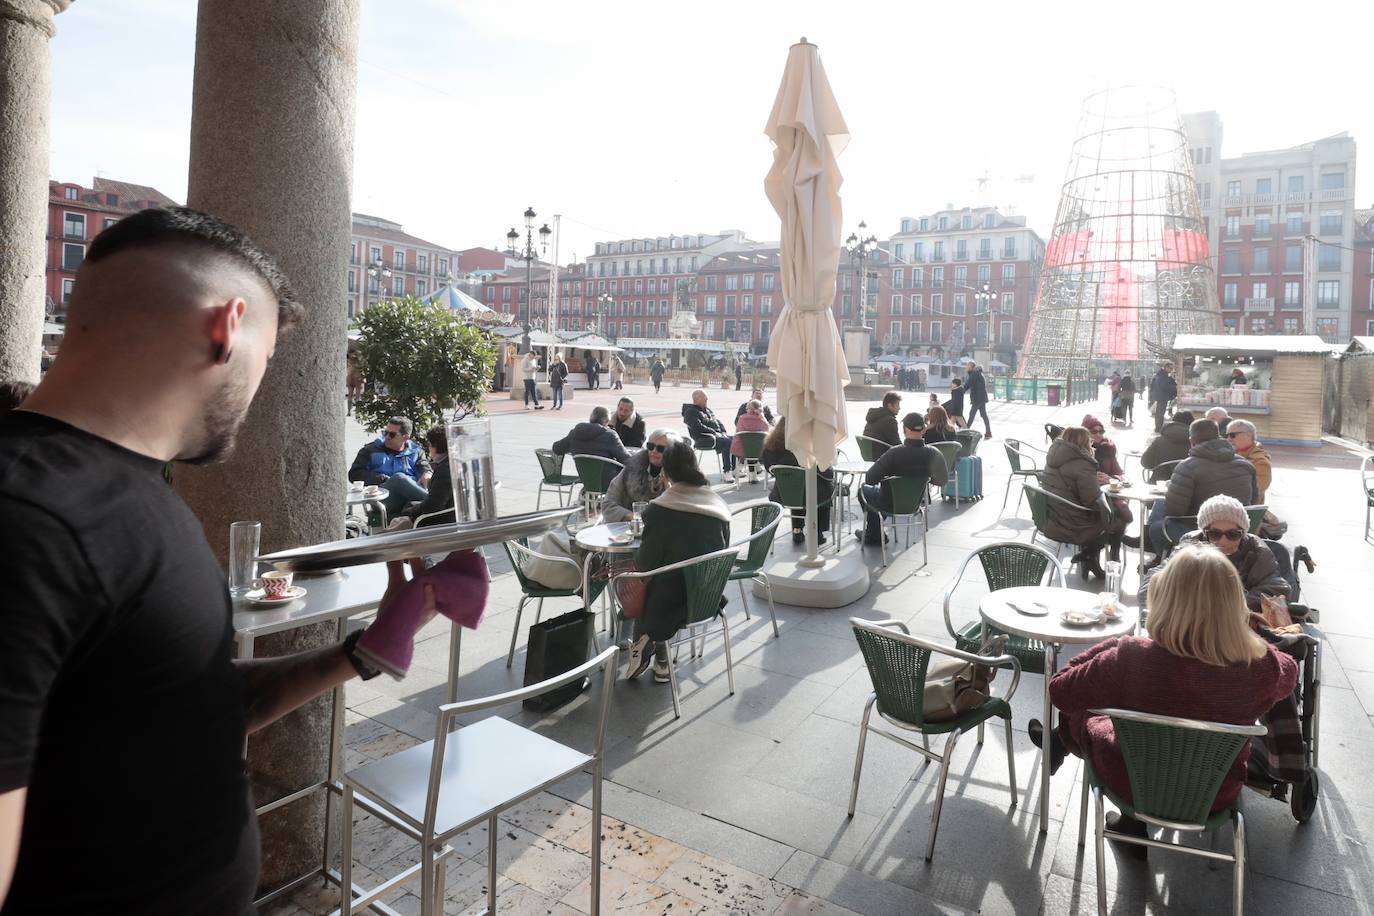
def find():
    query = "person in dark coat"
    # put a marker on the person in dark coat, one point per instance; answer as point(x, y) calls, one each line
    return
point(593, 367)
point(594, 437)
point(881, 423)
point(938, 427)
point(628, 424)
point(1127, 395)
point(558, 375)
point(739, 376)
point(913, 458)
point(776, 454)
point(704, 427)
point(977, 388)
point(955, 405)
point(1071, 473)
point(687, 520)
point(1104, 449)
point(1212, 467)
point(1163, 389)
point(1171, 444)
point(656, 374)
point(440, 493)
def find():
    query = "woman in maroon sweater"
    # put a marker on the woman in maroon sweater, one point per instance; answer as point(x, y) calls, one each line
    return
point(1201, 661)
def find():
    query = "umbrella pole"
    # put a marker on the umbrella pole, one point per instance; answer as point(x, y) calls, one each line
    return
point(811, 560)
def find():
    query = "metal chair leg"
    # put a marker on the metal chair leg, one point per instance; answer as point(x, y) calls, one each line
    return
point(515, 631)
point(1011, 762)
point(772, 610)
point(426, 880)
point(672, 682)
point(729, 664)
point(859, 754)
point(980, 734)
point(596, 838)
point(743, 600)
point(1238, 880)
point(440, 876)
point(492, 877)
point(346, 866)
point(1100, 829)
point(1006, 494)
point(1083, 811)
point(940, 792)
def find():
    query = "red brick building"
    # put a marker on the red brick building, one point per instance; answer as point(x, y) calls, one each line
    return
point(385, 261)
point(506, 294)
point(76, 215)
point(1362, 295)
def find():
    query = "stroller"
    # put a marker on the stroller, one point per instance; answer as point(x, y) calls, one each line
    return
point(1283, 762)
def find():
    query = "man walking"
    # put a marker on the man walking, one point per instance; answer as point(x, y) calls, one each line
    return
point(530, 366)
point(977, 388)
point(656, 374)
point(739, 376)
point(1163, 389)
point(115, 655)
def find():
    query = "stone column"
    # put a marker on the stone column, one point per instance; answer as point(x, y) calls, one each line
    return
point(272, 152)
point(25, 95)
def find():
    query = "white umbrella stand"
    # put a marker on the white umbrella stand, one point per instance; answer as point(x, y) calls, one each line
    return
point(808, 134)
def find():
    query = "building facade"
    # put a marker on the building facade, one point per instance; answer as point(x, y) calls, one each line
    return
point(960, 280)
point(76, 215)
point(1362, 289)
point(1281, 225)
point(385, 261)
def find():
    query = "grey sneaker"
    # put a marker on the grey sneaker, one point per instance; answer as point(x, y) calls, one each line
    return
point(641, 656)
point(661, 672)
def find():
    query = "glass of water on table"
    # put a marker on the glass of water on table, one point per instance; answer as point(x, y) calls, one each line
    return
point(1107, 599)
point(637, 519)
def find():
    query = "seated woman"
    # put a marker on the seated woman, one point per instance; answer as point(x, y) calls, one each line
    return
point(1104, 450)
point(1223, 522)
point(751, 421)
point(686, 520)
point(1071, 472)
point(938, 427)
point(775, 453)
point(1200, 661)
point(440, 493)
point(641, 480)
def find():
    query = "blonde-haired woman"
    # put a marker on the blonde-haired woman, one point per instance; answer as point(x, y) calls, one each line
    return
point(1200, 661)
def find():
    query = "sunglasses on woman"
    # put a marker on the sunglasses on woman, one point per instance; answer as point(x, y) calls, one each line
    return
point(1231, 534)
point(655, 447)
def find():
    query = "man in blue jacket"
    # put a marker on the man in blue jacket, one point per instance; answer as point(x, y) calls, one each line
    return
point(393, 461)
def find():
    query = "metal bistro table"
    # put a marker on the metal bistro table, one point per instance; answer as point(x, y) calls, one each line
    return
point(853, 469)
point(595, 539)
point(1144, 497)
point(367, 500)
point(999, 610)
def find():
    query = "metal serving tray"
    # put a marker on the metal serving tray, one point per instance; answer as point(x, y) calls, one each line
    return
point(405, 545)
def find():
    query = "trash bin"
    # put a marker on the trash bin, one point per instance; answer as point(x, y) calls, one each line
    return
point(1052, 395)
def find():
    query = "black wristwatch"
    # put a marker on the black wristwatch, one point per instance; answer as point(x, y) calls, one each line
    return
point(350, 644)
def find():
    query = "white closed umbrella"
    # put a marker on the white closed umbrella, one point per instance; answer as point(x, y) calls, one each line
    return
point(808, 134)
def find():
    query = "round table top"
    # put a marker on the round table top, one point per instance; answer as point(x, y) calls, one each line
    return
point(598, 538)
point(853, 467)
point(362, 496)
point(995, 609)
point(1141, 493)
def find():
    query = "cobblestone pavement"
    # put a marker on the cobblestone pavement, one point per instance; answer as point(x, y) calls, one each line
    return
point(739, 806)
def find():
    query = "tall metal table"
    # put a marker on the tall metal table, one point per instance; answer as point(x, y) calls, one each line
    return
point(1144, 497)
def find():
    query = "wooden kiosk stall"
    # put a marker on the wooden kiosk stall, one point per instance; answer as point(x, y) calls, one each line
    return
point(1273, 380)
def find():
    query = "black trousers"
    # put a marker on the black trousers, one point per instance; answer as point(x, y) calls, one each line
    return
point(1159, 407)
point(973, 413)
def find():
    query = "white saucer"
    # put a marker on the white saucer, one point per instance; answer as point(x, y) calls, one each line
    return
point(259, 597)
point(1081, 618)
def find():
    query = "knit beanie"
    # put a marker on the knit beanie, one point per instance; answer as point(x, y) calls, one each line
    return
point(1223, 508)
point(1090, 423)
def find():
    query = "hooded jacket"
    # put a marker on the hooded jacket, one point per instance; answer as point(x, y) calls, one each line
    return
point(634, 484)
point(681, 523)
point(1169, 445)
point(374, 463)
point(701, 422)
point(881, 424)
point(1254, 563)
point(588, 438)
point(630, 431)
point(1211, 468)
point(1264, 468)
point(1163, 388)
point(1071, 472)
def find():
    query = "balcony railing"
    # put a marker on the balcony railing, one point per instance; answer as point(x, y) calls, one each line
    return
point(1008, 254)
point(1332, 195)
point(938, 256)
point(961, 255)
point(1260, 305)
point(985, 254)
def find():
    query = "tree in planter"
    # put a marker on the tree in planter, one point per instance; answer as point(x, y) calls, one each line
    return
point(420, 361)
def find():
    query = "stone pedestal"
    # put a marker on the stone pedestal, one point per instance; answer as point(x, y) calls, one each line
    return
point(272, 152)
point(25, 97)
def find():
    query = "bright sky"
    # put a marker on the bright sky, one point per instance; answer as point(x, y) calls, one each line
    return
point(645, 119)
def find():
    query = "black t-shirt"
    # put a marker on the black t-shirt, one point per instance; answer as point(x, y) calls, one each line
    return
point(120, 710)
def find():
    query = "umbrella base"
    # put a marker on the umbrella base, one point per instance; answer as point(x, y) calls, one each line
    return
point(840, 582)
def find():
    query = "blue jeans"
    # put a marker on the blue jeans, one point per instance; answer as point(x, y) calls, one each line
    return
point(531, 393)
point(557, 395)
point(401, 492)
point(873, 523)
point(723, 444)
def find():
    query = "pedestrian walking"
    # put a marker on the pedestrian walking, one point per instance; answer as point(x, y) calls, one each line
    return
point(656, 374)
point(739, 376)
point(977, 388)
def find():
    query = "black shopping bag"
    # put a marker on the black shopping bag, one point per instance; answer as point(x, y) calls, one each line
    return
point(556, 646)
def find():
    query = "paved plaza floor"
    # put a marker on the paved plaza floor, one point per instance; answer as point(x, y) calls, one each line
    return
point(740, 805)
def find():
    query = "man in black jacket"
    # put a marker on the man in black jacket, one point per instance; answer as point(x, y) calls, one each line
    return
point(703, 426)
point(881, 423)
point(977, 388)
point(1163, 389)
point(1211, 468)
point(911, 459)
point(594, 437)
point(628, 425)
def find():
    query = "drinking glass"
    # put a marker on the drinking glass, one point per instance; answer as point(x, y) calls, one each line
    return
point(637, 523)
point(244, 539)
point(472, 470)
point(1113, 570)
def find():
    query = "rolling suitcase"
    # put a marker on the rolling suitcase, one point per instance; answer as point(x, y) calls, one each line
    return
point(970, 475)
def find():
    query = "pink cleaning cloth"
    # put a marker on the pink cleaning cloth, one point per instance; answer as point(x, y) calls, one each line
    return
point(460, 586)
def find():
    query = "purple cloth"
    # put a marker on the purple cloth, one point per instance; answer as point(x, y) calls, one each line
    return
point(460, 593)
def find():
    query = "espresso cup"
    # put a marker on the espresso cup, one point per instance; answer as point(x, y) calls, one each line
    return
point(274, 584)
point(355, 485)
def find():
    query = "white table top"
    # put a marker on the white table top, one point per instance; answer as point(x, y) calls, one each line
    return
point(353, 591)
point(853, 467)
point(598, 538)
point(361, 496)
point(1050, 628)
point(1140, 493)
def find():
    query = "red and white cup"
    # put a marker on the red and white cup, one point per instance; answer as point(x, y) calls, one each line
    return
point(274, 584)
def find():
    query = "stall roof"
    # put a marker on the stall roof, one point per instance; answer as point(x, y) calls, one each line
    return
point(1251, 344)
point(671, 343)
point(1361, 345)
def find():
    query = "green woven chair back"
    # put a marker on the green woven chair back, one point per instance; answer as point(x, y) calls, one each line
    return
point(706, 583)
point(1256, 514)
point(550, 464)
point(760, 517)
point(950, 452)
point(752, 443)
point(792, 487)
point(905, 494)
point(1039, 505)
point(898, 672)
point(518, 563)
point(1163, 471)
point(1013, 447)
point(1012, 565)
point(1175, 771)
point(968, 442)
point(595, 473)
point(865, 449)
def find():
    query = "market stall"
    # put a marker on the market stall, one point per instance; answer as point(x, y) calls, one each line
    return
point(1274, 381)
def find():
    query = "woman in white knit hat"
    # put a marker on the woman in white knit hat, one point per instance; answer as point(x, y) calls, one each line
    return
point(1223, 522)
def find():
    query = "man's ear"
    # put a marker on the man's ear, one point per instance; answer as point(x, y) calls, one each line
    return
point(226, 324)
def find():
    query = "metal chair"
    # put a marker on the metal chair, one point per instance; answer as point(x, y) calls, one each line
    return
point(551, 466)
point(1160, 472)
point(706, 442)
point(1040, 500)
point(908, 498)
point(1023, 464)
point(436, 790)
point(791, 483)
point(1256, 514)
point(950, 452)
point(1176, 767)
point(1367, 484)
point(897, 665)
point(869, 448)
point(706, 577)
point(596, 474)
point(521, 557)
point(968, 442)
point(763, 523)
point(1006, 564)
point(752, 444)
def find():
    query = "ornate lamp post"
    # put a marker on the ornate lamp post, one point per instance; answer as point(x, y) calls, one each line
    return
point(860, 248)
point(379, 271)
point(986, 300)
point(604, 303)
point(529, 254)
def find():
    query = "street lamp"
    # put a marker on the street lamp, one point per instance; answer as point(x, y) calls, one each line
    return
point(529, 254)
point(377, 271)
point(604, 303)
point(860, 248)
point(985, 300)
